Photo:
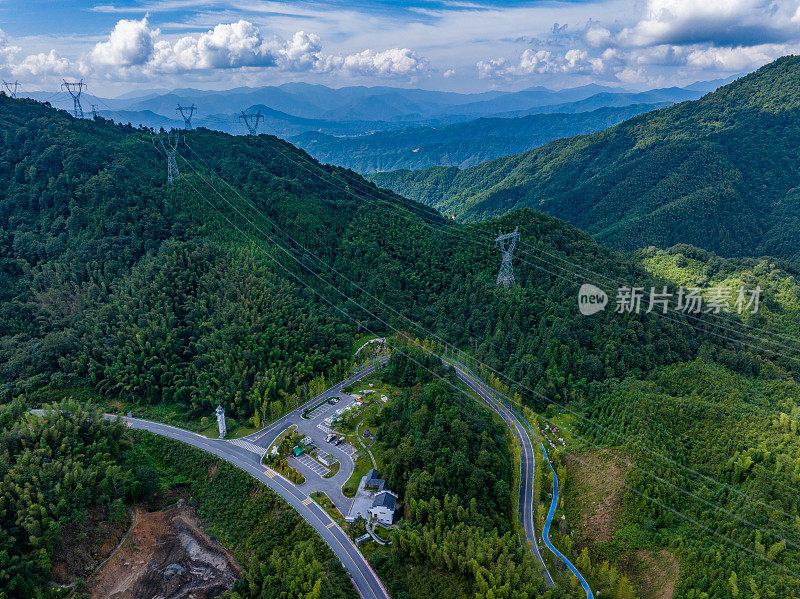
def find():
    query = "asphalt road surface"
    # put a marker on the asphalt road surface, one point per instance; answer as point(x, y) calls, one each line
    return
point(364, 578)
point(527, 460)
point(332, 486)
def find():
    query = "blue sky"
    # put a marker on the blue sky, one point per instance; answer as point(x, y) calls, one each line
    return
point(463, 45)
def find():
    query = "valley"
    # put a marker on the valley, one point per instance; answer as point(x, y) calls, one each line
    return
point(531, 450)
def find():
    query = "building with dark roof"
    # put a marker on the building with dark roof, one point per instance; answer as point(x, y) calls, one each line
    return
point(383, 507)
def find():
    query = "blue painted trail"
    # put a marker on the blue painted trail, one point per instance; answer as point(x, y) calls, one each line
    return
point(546, 535)
point(554, 503)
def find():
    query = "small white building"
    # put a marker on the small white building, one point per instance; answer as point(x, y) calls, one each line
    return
point(383, 507)
point(373, 500)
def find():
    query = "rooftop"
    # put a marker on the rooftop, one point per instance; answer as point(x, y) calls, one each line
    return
point(385, 499)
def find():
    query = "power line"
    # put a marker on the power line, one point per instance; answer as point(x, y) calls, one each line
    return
point(169, 144)
point(187, 112)
point(506, 243)
point(710, 322)
point(415, 361)
point(546, 399)
point(75, 90)
point(251, 121)
point(11, 88)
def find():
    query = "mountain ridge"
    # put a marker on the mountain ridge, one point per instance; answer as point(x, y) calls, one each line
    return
point(710, 172)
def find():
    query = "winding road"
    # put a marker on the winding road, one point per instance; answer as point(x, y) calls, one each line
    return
point(527, 459)
point(518, 424)
point(246, 454)
point(363, 576)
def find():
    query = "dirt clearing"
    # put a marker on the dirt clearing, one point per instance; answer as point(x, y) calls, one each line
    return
point(595, 478)
point(657, 574)
point(166, 555)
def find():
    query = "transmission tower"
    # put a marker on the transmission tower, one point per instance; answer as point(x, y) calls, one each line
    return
point(169, 144)
point(94, 110)
point(251, 121)
point(11, 87)
point(75, 90)
point(506, 242)
point(186, 113)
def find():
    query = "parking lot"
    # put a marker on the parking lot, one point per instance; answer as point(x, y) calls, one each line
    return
point(312, 465)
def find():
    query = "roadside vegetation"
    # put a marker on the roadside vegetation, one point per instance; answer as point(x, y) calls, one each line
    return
point(88, 470)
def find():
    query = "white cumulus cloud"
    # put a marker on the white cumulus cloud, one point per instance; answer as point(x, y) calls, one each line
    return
point(130, 43)
point(540, 62)
point(597, 36)
point(717, 22)
point(7, 50)
point(133, 44)
point(300, 53)
point(735, 59)
point(41, 64)
point(226, 46)
point(392, 62)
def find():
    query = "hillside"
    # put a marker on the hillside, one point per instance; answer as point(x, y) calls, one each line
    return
point(719, 173)
point(118, 289)
point(460, 144)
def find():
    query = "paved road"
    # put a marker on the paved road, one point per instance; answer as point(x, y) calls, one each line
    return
point(364, 578)
point(518, 424)
point(527, 459)
point(332, 486)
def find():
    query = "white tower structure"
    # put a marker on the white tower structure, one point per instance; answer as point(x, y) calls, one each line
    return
point(221, 422)
point(506, 243)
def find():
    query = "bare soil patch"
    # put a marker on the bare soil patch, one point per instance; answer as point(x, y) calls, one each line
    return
point(166, 555)
point(83, 545)
point(656, 574)
point(596, 478)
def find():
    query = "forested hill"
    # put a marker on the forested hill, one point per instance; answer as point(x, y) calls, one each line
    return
point(720, 173)
point(459, 144)
point(159, 294)
point(115, 285)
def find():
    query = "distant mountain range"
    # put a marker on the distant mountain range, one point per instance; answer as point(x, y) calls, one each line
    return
point(345, 125)
point(460, 144)
point(721, 173)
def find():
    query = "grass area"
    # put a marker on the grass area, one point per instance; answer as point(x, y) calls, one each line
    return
point(332, 470)
point(592, 495)
point(655, 574)
point(566, 423)
point(363, 464)
point(361, 340)
point(326, 504)
point(233, 431)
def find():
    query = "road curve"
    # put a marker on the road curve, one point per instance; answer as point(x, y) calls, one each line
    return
point(364, 578)
point(527, 458)
point(465, 374)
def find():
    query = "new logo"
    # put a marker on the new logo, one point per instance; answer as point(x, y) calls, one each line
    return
point(591, 299)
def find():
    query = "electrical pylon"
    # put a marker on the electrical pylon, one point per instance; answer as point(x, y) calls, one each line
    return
point(169, 144)
point(251, 121)
point(506, 242)
point(186, 112)
point(75, 90)
point(11, 87)
point(94, 110)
